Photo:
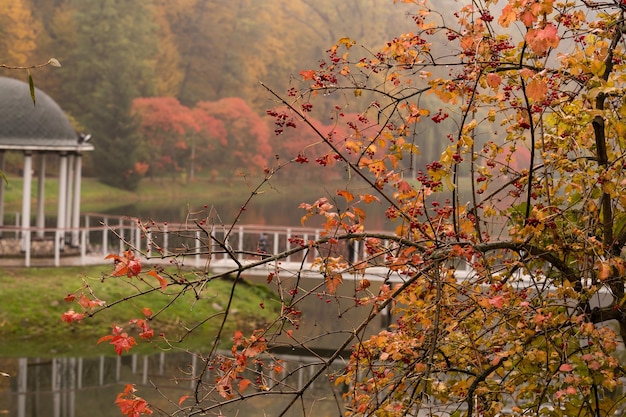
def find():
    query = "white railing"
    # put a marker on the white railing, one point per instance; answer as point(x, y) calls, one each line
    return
point(100, 235)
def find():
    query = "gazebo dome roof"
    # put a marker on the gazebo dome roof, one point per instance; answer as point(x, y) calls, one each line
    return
point(39, 127)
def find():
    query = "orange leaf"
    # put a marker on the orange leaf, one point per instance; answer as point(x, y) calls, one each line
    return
point(182, 399)
point(332, 282)
point(508, 16)
point(308, 75)
point(368, 198)
point(162, 280)
point(346, 194)
point(494, 80)
point(243, 384)
point(542, 39)
point(537, 89)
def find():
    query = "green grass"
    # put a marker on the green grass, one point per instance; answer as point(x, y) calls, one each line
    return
point(32, 305)
point(96, 196)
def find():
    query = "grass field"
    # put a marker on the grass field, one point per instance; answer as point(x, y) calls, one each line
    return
point(33, 303)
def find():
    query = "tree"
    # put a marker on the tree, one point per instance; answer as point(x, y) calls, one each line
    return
point(166, 129)
point(532, 324)
point(244, 143)
point(104, 72)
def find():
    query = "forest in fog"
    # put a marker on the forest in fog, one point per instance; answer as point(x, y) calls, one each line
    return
point(172, 87)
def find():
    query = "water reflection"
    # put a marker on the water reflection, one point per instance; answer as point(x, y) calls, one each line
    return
point(87, 387)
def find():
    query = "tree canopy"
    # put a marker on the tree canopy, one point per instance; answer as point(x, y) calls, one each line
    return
point(505, 272)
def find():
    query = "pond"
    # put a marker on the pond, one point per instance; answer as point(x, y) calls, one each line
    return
point(88, 386)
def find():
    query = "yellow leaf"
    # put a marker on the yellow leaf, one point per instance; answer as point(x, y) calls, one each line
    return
point(347, 42)
point(609, 188)
point(597, 67)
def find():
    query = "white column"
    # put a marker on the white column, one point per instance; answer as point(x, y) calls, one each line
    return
point(41, 215)
point(70, 179)
point(76, 209)
point(61, 215)
point(2, 189)
point(26, 190)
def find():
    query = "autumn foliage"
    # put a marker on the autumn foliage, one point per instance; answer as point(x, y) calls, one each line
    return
point(504, 272)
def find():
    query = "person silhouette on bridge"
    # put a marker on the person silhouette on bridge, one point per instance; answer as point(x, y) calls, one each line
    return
point(264, 245)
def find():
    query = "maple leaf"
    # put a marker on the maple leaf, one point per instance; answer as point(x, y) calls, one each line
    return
point(243, 384)
point(125, 264)
point(71, 316)
point(86, 303)
point(308, 75)
point(131, 405)
point(161, 280)
point(509, 14)
point(497, 301)
point(332, 282)
point(494, 80)
point(120, 340)
point(224, 387)
point(368, 198)
point(346, 194)
point(537, 89)
point(542, 39)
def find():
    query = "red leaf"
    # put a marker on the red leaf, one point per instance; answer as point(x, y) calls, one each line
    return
point(125, 264)
point(69, 298)
point(71, 316)
point(182, 399)
point(146, 312)
point(497, 301)
point(131, 405)
point(120, 340)
point(86, 303)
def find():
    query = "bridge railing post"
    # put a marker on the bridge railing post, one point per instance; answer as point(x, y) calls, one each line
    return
point(288, 244)
point(166, 239)
point(83, 245)
point(275, 248)
point(121, 234)
point(240, 244)
point(148, 244)
point(105, 236)
point(137, 231)
point(197, 248)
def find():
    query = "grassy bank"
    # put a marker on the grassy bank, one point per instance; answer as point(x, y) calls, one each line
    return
point(98, 197)
point(33, 302)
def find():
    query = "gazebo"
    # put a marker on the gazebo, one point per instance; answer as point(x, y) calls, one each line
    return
point(41, 129)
